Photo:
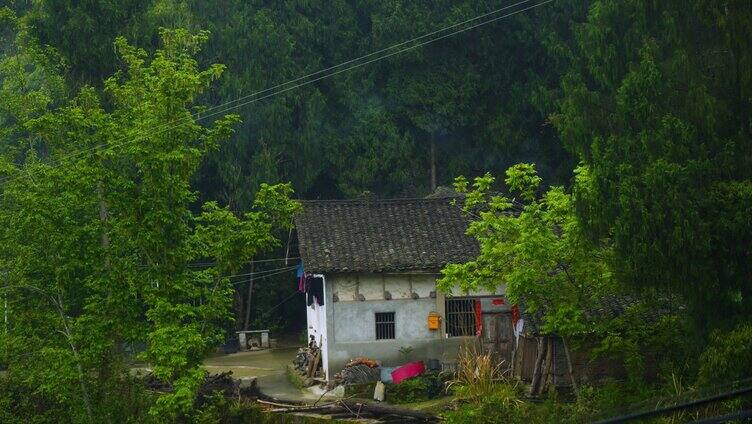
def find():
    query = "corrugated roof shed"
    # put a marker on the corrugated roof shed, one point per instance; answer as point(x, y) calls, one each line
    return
point(382, 235)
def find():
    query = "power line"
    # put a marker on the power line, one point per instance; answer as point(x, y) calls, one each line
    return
point(260, 274)
point(312, 74)
point(261, 277)
point(293, 84)
point(278, 304)
point(248, 274)
point(258, 261)
point(227, 105)
point(680, 407)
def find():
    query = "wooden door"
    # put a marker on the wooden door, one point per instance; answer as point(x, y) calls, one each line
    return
point(498, 337)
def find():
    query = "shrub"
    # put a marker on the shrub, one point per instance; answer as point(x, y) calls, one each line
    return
point(727, 357)
point(418, 389)
point(502, 404)
point(477, 372)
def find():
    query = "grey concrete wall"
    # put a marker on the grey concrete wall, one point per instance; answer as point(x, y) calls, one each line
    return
point(350, 322)
point(445, 350)
point(351, 326)
point(355, 321)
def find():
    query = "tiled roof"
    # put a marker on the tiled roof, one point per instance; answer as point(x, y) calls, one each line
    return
point(382, 235)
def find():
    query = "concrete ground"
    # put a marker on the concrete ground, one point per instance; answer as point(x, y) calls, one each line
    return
point(269, 366)
point(258, 363)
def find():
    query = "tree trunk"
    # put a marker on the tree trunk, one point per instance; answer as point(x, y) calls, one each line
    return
point(247, 321)
point(549, 362)
point(542, 347)
point(238, 305)
point(383, 409)
point(569, 367)
point(433, 163)
point(81, 375)
point(104, 238)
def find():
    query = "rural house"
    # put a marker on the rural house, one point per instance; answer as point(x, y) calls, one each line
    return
point(369, 273)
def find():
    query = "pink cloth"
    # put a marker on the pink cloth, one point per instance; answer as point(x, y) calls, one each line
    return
point(301, 284)
point(407, 371)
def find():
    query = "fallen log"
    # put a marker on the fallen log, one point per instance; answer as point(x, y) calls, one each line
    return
point(290, 408)
point(261, 397)
point(277, 404)
point(383, 409)
point(346, 414)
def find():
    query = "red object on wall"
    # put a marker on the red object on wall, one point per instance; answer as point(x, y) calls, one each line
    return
point(478, 318)
point(498, 301)
point(413, 369)
point(515, 314)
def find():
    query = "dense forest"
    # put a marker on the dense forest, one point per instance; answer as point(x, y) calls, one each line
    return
point(149, 149)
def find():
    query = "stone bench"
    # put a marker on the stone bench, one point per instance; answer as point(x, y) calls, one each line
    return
point(243, 338)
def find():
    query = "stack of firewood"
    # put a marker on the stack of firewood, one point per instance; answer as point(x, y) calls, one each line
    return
point(302, 358)
point(308, 361)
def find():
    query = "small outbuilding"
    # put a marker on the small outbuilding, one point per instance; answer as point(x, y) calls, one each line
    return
point(369, 271)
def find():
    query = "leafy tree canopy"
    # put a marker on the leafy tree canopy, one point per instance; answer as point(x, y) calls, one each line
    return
point(534, 245)
point(97, 234)
point(658, 106)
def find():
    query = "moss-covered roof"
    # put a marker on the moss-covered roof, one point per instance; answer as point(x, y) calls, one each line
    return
point(382, 235)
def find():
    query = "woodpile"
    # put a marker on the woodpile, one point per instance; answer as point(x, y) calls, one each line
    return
point(358, 371)
point(301, 360)
point(357, 374)
point(371, 363)
point(307, 362)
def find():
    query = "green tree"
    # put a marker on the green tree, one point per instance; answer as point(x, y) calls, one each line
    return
point(658, 106)
point(534, 245)
point(30, 82)
point(483, 97)
point(98, 235)
point(83, 33)
point(480, 98)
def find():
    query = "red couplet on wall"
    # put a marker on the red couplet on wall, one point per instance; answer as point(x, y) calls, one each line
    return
point(478, 318)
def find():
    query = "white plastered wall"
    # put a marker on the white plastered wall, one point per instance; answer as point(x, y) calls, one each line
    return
point(316, 320)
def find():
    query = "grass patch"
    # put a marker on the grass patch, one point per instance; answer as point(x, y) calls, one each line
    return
point(296, 379)
point(434, 406)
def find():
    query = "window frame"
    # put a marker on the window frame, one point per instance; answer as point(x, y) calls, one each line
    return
point(463, 309)
point(385, 327)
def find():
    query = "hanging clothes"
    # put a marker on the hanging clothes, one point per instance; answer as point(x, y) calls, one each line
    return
point(517, 321)
point(314, 287)
point(301, 279)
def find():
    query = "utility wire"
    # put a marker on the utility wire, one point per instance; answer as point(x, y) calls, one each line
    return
point(728, 394)
point(228, 105)
point(278, 304)
point(202, 264)
point(256, 273)
point(260, 278)
point(248, 274)
point(674, 408)
point(293, 84)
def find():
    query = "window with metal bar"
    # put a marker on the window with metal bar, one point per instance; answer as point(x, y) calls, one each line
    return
point(384, 325)
point(460, 317)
